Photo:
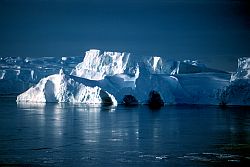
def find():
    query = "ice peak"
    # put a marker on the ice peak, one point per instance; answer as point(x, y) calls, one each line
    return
point(155, 64)
point(97, 65)
point(61, 72)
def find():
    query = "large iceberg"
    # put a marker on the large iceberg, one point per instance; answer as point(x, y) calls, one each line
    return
point(113, 77)
point(62, 88)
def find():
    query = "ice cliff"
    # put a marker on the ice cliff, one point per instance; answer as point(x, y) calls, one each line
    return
point(112, 78)
point(97, 65)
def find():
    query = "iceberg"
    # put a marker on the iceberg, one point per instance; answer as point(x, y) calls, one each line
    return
point(116, 78)
point(62, 88)
point(18, 74)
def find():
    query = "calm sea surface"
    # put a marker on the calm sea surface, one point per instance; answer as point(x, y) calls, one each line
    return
point(80, 135)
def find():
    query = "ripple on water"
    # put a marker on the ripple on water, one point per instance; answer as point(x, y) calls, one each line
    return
point(211, 157)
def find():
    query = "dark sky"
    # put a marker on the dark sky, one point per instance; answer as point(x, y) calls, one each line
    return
point(216, 32)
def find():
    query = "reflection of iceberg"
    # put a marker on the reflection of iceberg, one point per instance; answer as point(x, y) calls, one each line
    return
point(108, 77)
point(28, 106)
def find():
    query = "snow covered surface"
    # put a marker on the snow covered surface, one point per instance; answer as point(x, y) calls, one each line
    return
point(108, 77)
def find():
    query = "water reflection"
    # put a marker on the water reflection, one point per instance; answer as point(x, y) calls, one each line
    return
point(88, 134)
point(30, 105)
point(62, 121)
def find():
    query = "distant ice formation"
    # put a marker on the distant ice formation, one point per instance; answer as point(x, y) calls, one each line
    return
point(115, 77)
point(18, 74)
point(156, 65)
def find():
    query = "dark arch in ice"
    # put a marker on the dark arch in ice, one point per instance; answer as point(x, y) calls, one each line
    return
point(106, 99)
point(155, 100)
point(49, 91)
point(129, 100)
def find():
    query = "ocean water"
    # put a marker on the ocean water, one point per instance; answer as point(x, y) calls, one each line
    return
point(79, 135)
